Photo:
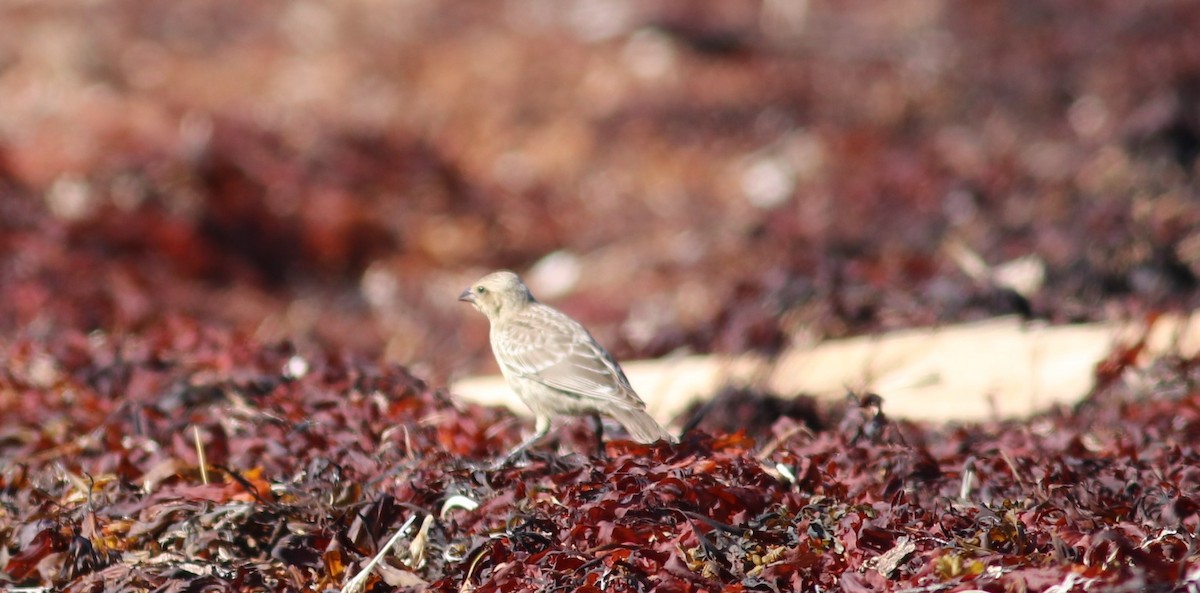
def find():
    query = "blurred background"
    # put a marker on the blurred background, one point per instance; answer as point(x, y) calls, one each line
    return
point(699, 175)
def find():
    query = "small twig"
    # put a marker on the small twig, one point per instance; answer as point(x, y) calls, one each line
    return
point(968, 480)
point(457, 501)
point(1012, 466)
point(715, 524)
point(250, 489)
point(356, 583)
point(779, 440)
point(416, 548)
point(697, 417)
point(476, 555)
point(203, 461)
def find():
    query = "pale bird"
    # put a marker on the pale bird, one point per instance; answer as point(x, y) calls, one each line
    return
point(554, 365)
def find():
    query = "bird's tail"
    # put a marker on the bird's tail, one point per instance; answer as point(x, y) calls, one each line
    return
point(641, 426)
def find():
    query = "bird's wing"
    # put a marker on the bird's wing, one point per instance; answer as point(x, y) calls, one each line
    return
point(543, 344)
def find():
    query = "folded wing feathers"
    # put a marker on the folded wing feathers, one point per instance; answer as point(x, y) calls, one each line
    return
point(547, 346)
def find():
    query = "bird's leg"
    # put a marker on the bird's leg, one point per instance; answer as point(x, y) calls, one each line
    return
point(599, 435)
point(541, 427)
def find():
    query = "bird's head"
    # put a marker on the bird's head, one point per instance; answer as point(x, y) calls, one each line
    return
point(497, 293)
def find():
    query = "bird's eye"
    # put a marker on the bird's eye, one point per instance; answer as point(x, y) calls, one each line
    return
point(480, 290)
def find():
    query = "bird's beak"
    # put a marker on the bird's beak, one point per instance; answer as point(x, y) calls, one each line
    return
point(467, 296)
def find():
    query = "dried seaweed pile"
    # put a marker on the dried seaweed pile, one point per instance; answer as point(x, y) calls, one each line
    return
point(314, 460)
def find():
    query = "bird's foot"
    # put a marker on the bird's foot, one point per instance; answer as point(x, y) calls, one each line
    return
point(502, 463)
point(518, 455)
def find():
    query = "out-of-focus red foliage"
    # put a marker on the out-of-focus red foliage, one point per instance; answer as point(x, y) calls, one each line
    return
point(315, 458)
point(723, 174)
